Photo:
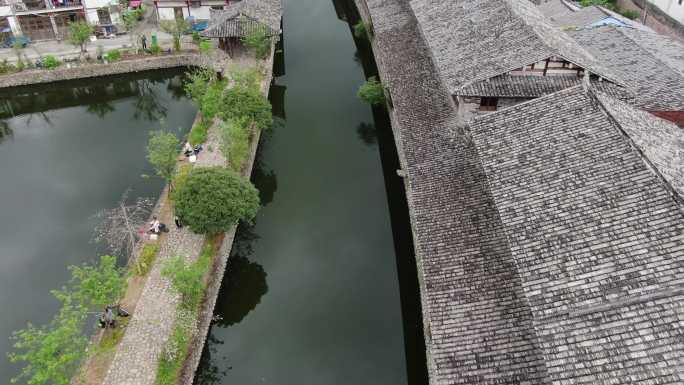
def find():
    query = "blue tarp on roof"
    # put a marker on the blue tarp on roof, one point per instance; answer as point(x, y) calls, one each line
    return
point(610, 21)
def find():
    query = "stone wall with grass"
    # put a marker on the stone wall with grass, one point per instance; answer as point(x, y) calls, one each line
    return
point(63, 72)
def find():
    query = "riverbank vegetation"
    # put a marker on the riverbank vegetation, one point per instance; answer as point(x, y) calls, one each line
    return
point(372, 92)
point(613, 6)
point(52, 353)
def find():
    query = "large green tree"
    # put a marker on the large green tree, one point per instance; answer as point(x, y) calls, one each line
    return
point(213, 199)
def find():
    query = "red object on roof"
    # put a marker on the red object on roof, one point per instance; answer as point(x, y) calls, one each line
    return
point(134, 3)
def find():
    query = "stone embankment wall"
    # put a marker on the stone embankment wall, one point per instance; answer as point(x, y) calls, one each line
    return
point(38, 76)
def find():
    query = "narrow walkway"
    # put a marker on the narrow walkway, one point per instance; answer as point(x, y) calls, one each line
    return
point(137, 355)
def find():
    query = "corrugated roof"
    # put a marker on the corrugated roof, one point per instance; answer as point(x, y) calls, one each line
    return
point(472, 40)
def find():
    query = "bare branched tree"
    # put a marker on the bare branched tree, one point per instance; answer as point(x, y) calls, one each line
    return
point(120, 227)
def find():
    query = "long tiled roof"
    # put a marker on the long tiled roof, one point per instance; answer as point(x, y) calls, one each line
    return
point(595, 234)
point(555, 8)
point(242, 17)
point(649, 63)
point(479, 325)
point(531, 86)
point(472, 40)
point(581, 18)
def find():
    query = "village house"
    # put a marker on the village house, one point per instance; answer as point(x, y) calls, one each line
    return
point(49, 19)
point(184, 9)
point(548, 223)
point(505, 53)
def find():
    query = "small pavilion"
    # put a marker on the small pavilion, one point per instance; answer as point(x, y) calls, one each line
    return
point(241, 19)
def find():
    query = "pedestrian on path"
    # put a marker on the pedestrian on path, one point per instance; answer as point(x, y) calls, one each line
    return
point(144, 42)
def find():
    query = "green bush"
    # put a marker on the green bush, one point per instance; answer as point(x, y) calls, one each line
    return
point(610, 4)
point(205, 47)
point(6, 67)
point(113, 55)
point(235, 143)
point(213, 199)
point(146, 258)
point(199, 132)
point(155, 49)
point(259, 41)
point(211, 100)
point(360, 30)
point(372, 92)
point(198, 82)
point(51, 62)
point(186, 279)
point(196, 38)
point(249, 103)
point(180, 178)
point(630, 13)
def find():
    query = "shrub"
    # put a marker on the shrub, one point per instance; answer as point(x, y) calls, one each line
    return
point(155, 49)
point(235, 143)
point(630, 13)
point(146, 258)
point(241, 102)
point(210, 102)
point(259, 41)
point(372, 92)
point(245, 77)
point(360, 30)
point(610, 4)
point(94, 286)
point(162, 151)
point(196, 38)
point(197, 83)
point(6, 67)
point(186, 279)
point(180, 178)
point(205, 47)
point(51, 62)
point(176, 29)
point(199, 132)
point(113, 55)
point(214, 198)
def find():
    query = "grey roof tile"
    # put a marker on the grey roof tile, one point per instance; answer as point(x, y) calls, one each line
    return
point(472, 40)
point(243, 16)
point(650, 64)
point(555, 8)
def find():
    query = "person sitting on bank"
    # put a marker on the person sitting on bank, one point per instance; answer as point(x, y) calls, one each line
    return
point(156, 227)
point(187, 149)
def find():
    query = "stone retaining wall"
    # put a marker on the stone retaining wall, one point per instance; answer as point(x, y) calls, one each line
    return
point(38, 76)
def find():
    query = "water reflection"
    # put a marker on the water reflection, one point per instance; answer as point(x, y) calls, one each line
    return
point(100, 109)
point(207, 372)
point(367, 133)
point(148, 105)
point(6, 131)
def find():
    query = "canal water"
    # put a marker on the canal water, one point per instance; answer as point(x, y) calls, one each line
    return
point(311, 294)
point(68, 150)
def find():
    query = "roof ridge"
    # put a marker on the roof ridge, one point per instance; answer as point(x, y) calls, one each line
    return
point(596, 100)
point(513, 107)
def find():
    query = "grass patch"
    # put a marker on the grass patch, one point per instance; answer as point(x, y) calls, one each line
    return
point(146, 258)
point(176, 349)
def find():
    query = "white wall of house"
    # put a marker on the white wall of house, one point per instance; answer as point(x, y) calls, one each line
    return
point(166, 12)
point(201, 13)
point(674, 8)
point(5, 10)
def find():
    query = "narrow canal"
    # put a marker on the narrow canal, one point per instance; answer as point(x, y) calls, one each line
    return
point(68, 150)
point(312, 294)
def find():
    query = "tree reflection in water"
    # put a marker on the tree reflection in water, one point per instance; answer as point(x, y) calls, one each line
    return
point(147, 104)
point(6, 131)
point(367, 133)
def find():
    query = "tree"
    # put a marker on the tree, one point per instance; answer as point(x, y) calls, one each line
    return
point(214, 198)
point(162, 151)
point(119, 226)
point(198, 82)
point(372, 92)
point(54, 352)
point(131, 20)
point(79, 34)
point(176, 29)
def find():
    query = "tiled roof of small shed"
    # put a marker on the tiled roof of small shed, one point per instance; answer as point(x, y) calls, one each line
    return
point(239, 18)
point(472, 40)
point(649, 63)
point(581, 18)
point(596, 236)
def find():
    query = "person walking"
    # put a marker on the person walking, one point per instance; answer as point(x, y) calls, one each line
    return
point(143, 41)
